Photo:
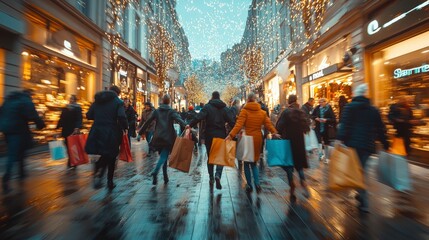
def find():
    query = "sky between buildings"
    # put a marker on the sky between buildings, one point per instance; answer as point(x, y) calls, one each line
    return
point(212, 26)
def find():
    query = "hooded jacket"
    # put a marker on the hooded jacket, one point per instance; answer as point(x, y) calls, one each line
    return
point(361, 126)
point(110, 121)
point(215, 115)
point(70, 118)
point(145, 116)
point(164, 135)
point(17, 111)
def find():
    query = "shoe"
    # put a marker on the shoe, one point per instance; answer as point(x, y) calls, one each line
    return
point(111, 185)
point(358, 198)
point(218, 186)
point(155, 179)
point(166, 180)
point(363, 209)
point(258, 189)
point(292, 198)
point(249, 189)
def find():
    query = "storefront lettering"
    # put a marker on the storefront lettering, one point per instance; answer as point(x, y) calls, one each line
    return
point(399, 73)
point(316, 75)
point(373, 27)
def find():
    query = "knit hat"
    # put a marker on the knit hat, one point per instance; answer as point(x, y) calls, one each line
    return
point(361, 90)
point(190, 108)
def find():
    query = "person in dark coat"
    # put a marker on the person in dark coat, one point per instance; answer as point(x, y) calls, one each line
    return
point(147, 111)
point(70, 122)
point(164, 135)
point(191, 114)
point(17, 111)
point(131, 118)
point(292, 125)
point(105, 136)
point(341, 104)
point(215, 113)
point(308, 106)
point(325, 120)
point(201, 128)
point(360, 127)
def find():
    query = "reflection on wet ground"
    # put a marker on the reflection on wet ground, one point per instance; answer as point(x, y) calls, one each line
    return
point(57, 204)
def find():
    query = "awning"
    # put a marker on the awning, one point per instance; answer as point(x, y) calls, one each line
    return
point(333, 71)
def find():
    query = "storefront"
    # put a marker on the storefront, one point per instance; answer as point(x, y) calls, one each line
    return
point(272, 91)
point(141, 90)
point(153, 90)
point(398, 63)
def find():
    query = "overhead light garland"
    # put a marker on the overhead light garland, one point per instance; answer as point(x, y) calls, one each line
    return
point(253, 63)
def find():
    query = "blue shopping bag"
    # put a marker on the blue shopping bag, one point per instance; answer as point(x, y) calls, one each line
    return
point(393, 171)
point(279, 153)
point(58, 150)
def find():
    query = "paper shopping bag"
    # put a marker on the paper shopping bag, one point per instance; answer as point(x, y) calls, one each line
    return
point(279, 153)
point(311, 141)
point(181, 154)
point(345, 170)
point(245, 149)
point(76, 146)
point(57, 149)
point(398, 147)
point(221, 153)
point(125, 150)
point(393, 171)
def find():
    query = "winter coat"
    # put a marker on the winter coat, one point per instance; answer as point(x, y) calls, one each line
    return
point(215, 115)
point(70, 118)
point(307, 108)
point(292, 125)
point(252, 118)
point(400, 116)
point(331, 120)
point(145, 116)
point(132, 120)
point(190, 116)
point(164, 134)
point(110, 121)
point(17, 111)
point(361, 126)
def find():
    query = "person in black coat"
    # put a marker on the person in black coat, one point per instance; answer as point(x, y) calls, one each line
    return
point(360, 127)
point(325, 120)
point(70, 122)
point(17, 111)
point(164, 135)
point(292, 125)
point(105, 136)
point(215, 113)
point(131, 118)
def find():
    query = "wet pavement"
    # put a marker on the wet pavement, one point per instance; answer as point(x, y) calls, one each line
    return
point(53, 203)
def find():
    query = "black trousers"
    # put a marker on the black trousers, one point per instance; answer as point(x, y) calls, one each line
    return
point(104, 162)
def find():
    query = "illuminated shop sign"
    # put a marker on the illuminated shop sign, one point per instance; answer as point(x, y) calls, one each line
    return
point(316, 75)
point(399, 73)
point(322, 73)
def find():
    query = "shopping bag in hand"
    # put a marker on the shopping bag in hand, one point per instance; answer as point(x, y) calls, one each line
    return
point(57, 150)
point(279, 153)
point(76, 146)
point(222, 153)
point(398, 147)
point(125, 150)
point(245, 149)
point(345, 170)
point(181, 154)
point(311, 141)
point(393, 171)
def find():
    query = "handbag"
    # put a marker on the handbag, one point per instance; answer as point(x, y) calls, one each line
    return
point(57, 150)
point(125, 150)
point(245, 148)
point(393, 171)
point(279, 153)
point(398, 147)
point(181, 154)
point(76, 146)
point(222, 152)
point(310, 140)
point(345, 170)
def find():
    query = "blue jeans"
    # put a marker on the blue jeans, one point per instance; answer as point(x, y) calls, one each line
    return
point(363, 157)
point(289, 172)
point(163, 156)
point(149, 135)
point(247, 167)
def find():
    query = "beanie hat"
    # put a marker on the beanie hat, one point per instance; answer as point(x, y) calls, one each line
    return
point(360, 90)
point(190, 108)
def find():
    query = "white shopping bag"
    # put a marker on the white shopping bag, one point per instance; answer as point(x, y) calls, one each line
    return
point(393, 171)
point(311, 141)
point(177, 128)
point(245, 149)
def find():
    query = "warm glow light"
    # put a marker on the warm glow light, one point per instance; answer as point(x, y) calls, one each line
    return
point(425, 51)
point(386, 63)
point(24, 53)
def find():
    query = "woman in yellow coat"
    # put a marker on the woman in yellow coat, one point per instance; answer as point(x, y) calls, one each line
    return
point(252, 118)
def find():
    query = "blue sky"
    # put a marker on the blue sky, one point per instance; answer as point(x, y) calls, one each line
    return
point(212, 25)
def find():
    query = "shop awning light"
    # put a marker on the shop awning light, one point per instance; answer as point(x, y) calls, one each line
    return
point(24, 53)
point(425, 51)
point(45, 81)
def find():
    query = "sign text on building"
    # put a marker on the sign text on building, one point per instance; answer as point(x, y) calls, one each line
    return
point(399, 73)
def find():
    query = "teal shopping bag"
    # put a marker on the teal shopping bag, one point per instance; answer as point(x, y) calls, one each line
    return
point(393, 171)
point(57, 150)
point(279, 153)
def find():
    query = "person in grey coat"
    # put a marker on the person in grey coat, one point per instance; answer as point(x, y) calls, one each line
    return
point(164, 134)
point(105, 137)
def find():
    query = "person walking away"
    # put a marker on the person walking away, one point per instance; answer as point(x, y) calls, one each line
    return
point(308, 108)
point(17, 111)
point(252, 117)
point(70, 122)
point(361, 125)
point(164, 135)
point(264, 132)
point(215, 114)
point(105, 136)
point(191, 114)
point(401, 116)
point(147, 111)
point(292, 125)
point(234, 111)
point(131, 114)
point(324, 117)
point(341, 104)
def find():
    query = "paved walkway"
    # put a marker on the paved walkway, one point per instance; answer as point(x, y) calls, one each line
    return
point(57, 204)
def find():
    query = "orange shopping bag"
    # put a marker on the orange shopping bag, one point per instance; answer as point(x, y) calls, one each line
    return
point(76, 146)
point(181, 154)
point(222, 152)
point(398, 147)
point(125, 150)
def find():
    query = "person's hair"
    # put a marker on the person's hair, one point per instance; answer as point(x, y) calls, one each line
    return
point(28, 91)
point(251, 97)
point(74, 97)
point(360, 90)
point(215, 95)
point(310, 99)
point(148, 104)
point(166, 99)
point(292, 99)
point(115, 89)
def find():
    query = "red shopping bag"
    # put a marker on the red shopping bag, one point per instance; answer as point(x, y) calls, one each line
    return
point(76, 146)
point(125, 150)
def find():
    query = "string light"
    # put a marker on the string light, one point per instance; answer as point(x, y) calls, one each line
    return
point(195, 90)
point(253, 62)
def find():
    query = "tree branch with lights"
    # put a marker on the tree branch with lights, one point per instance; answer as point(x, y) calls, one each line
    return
point(194, 90)
point(253, 64)
point(229, 93)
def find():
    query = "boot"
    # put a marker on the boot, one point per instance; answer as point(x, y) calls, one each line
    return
point(218, 185)
point(166, 180)
point(154, 179)
point(258, 189)
point(110, 184)
point(292, 193)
